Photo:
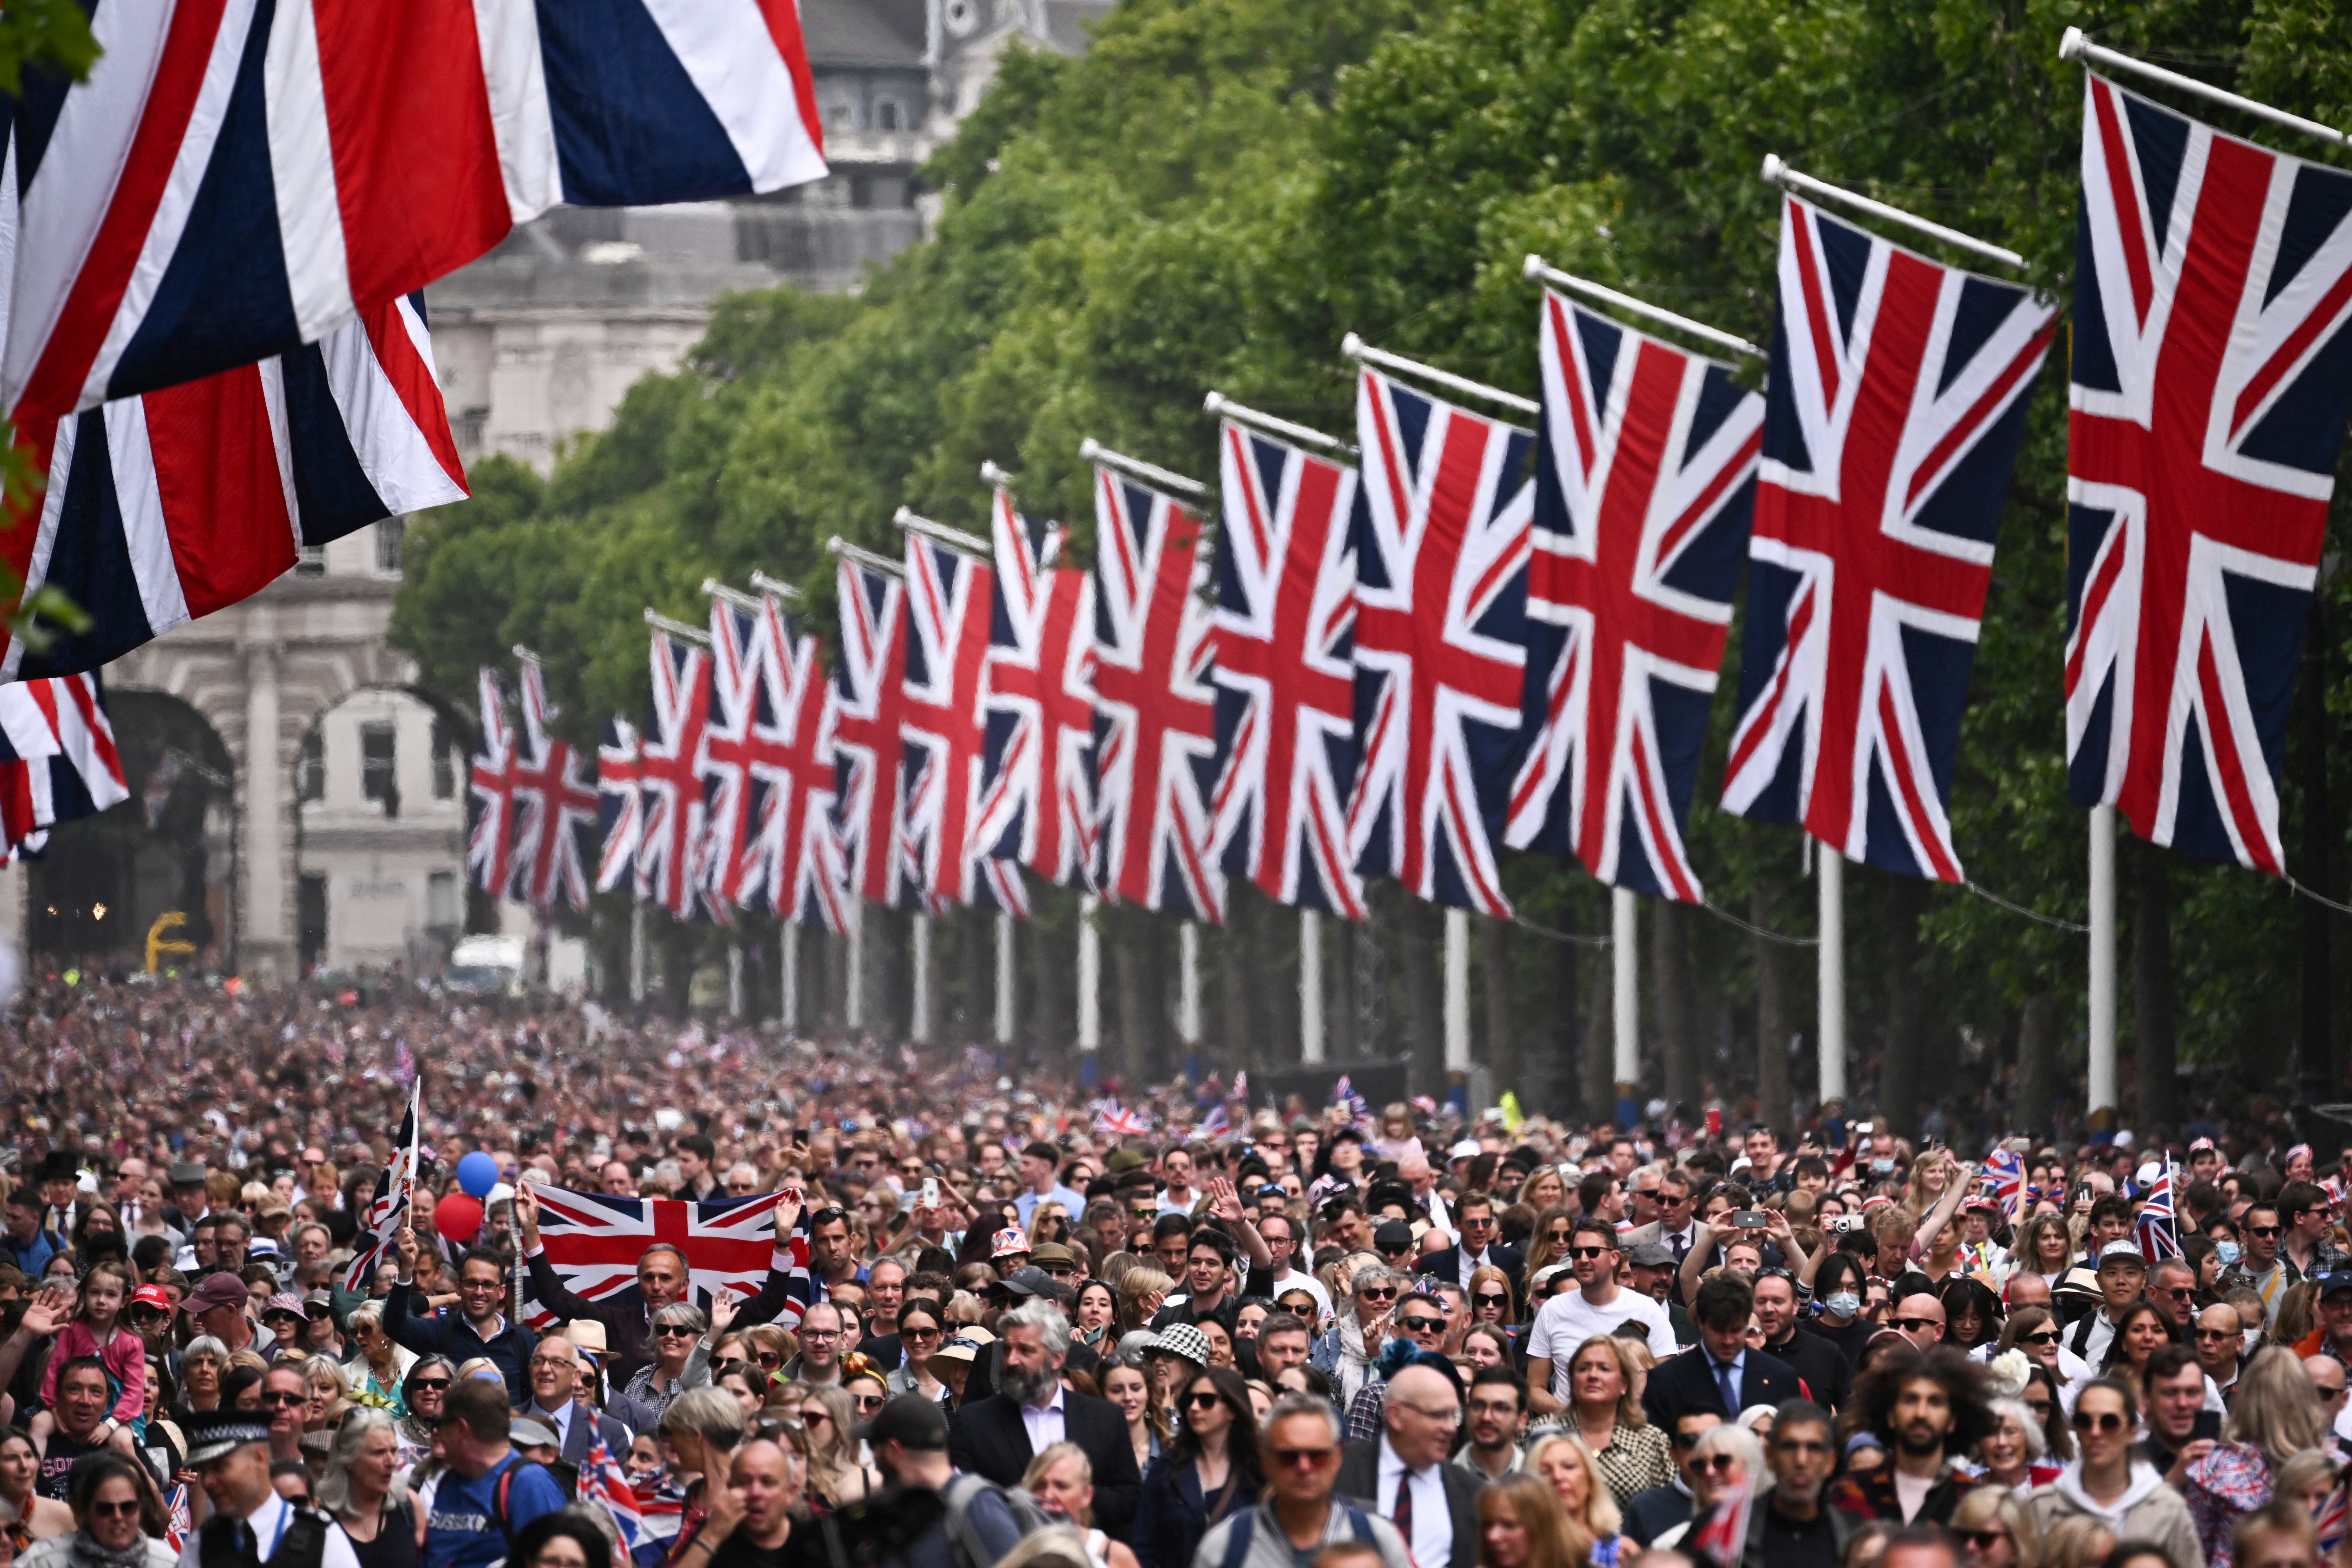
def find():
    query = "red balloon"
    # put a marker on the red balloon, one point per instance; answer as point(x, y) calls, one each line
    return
point(458, 1217)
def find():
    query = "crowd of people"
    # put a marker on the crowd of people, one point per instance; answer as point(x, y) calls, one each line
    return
point(1014, 1325)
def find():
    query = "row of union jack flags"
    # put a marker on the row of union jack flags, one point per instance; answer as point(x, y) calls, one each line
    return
point(1477, 637)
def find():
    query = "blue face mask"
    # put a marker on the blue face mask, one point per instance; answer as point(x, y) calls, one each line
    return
point(1842, 1304)
point(1883, 1165)
point(2227, 1251)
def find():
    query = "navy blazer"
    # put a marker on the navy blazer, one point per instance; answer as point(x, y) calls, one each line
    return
point(1173, 1514)
point(1686, 1381)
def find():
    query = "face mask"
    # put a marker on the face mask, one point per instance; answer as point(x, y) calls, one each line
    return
point(1842, 1304)
point(1883, 1165)
point(2227, 1251)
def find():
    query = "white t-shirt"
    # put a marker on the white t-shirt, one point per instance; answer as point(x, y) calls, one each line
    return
point(1567, 1320)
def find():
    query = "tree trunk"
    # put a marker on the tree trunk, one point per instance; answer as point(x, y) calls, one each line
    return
point(1670, 979)
point(1421, 934)
point(1050, 1017)
point(1272, 962)
point(1342, 1038)
point(2155, 1045)
point(1494, 969)
point(1138, 948)
point(1599, 1040)
point(2037, 1063)
point(1236, 951)
point(1898, 1061)
point(1772, 1088)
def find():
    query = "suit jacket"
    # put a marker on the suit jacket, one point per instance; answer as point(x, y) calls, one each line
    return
point(577, 1436)
point(988, 1438)
point(1686, 1381)
point(1359, 1478)
point(1650, 1514)
point(1447, 1265)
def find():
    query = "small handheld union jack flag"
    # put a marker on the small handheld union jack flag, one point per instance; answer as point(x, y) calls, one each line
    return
point(394, 1188)
point(2159, 1232)
point(1115, 1120)
point(2003, 1179)
point(602, 1479)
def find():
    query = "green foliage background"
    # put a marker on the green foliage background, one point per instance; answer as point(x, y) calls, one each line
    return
point(1218, 191)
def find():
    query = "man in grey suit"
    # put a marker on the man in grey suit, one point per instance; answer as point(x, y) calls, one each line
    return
point(554, 1371)
point(1402, 1476)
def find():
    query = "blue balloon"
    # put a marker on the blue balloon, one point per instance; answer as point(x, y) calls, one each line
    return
point(476, 1174)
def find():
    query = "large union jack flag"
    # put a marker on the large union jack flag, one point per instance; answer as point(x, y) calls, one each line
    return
point(1646, 464)
point(490, 837)
point(620, 804)
point(1155, 709)
point(868, 746)
point(593, 1241)
point(58, 759)
point(675, 830)
point(1039, 805)
point(1896, 398)
point(2210, 388)
point(950, 599)
point(554, 802)
point(1286, 670)
point(1441, 641)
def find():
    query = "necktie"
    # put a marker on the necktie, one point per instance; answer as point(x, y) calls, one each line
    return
point(1723, 1380)
point(247, 1549)
point(1403, 1518)
point(1681, 1244)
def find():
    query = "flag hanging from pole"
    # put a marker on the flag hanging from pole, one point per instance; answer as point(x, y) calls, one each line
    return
point(557, 805)
point(1038, 806)
point(490, 837)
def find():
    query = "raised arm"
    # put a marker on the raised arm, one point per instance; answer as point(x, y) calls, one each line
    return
point(784, 1292)
point(546, 1284)
point(1225, 1204)
point(1694, 1262)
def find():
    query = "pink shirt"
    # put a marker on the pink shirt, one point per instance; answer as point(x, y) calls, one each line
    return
point(125, 1356)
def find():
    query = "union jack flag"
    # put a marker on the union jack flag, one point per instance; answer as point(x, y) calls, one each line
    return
point(2159, 1232)
point(555, 803)
point(2332, 1522)
point(58, 759)
point(490, 837)
point(670, 853)
point(1646, 462)
point(1216, 1125)
point(1344, 1094)
point(789, 847)
point(1441, 641)
point(593, 1241)
point(950, 599)
point(1155, 709)
point(2208, 408)
point(620, 803)
point(1286, 670)
point(1896, 398)
point(1039, 804)
point(1115, 1120)
point(868, 745)
point(2003, 1180)
point(396, 1189)
point(727, 747)
point(604, 1480)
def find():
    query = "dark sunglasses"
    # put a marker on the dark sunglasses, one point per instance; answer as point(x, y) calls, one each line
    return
point(118, 1510)
point(1287, 1457)
point(1422, 1325)
point(1584, 1252)
point(2105, 1421)
point(1378, 1293)
point(1912, 1325)
point(1492, 1298)
point(282, 1397)
point(672, 1331)
point(2261, 1230)
point(2040, 1337)
point(1721, 1463)
point(1200, 1399)
point(1982, 1540)
point(429, 1385)
point(1684, 1440)
point(870, 1401)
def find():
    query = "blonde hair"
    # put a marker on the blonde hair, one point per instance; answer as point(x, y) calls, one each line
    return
point(2076, 1543)
point(2273, 1409)
point(1054, 1455)
point(1981, 1506)
point(1601, 1517)
point(1629, 1375)
point(1555, 1539)
point(1132, 1288)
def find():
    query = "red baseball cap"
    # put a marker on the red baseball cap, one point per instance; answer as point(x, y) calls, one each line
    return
point(151, 1296)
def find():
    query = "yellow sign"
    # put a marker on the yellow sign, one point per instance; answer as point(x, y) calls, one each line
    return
point(158, 944)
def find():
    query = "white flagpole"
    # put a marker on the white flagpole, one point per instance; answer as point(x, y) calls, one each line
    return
point(735, 980)
point(1625, 980)
point(919, 1022)
point(2102, 1086)
point(1188, 983)
point(1831, 870)
point(1089, 974)
point(1457, 990)
point(853, 1006)
point(637, 952)
point(1004, 974)
point(2073, 46)
point(788, 972)
point(1777, 173)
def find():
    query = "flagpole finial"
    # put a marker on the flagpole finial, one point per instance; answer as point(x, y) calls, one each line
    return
point(2070, 45)
point(1774, 167)
point(991, 474)
point(1213, 403)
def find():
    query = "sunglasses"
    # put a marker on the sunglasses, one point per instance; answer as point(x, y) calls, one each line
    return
point(1422, 1325)
point(281, 1397)
point(1492, 1298)
point(1982, 1540)
point(430, 1384)
point(1913, 1325)
point(1200, 1399)
point(681, 1332)
point(2261, 1230)
point(1584, 1252)
point(2040, 1337)
point(1684, 1440)
point(1378, 1293)
point(116, 1510)
point(1287, 1457)
point(814, 1419)
point(870, 1401)
point(2218, 1335)
point(1720, 1463)
point(2105, 1421)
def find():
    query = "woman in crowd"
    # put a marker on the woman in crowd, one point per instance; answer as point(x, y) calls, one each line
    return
point(1971, 1312)
point(2047, 1401)
point(1839, 1285)
point(118, 1520)
point(1127, 1386)
point(1544, 1190)
point(676, 1330)
point(2142, 1328)
point(1097, 1311)
point(1629, 1454)
point(1491, 1300)
point(361, 1491)
point(1564, 1465)
point(2273, 1417)
point(1521, 1524)
point(1486, 1346)
point(1547, 1245)
point(329, 1396)
point(421, 1394)
point(921, 1331)
point(1062, 1480)
point(1994, 1527)
point(32, 1518)
point(1347, 1353)
point(1142, 1292)
point(2012, 1452)
point(379, 1367)
point(2107, 1484)
point(703, 1427)
point(1210, 1470)
point(2036, 1332)
point(836, 1477)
